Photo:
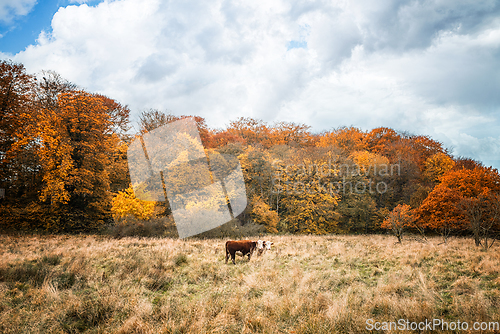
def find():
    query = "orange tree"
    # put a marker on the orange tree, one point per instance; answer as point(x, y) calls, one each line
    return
point(57, 147)
point(347, 139)
point(286, 133)
point(378, 140)
point(423, 148)
point(223, 138)
point(252, 131)
point(18, 163)
point(439, 211)
point(399, 219)
point(442, 211)
point(77, 143)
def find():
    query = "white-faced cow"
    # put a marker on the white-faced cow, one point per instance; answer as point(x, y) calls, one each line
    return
point(246, 247)
point(262, 246)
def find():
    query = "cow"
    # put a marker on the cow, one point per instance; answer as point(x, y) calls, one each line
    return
point(246, 247)
point(262, 246)
point(259, 248)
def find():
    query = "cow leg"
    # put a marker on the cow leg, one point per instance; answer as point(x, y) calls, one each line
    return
point(233, 257)
point(227, 255)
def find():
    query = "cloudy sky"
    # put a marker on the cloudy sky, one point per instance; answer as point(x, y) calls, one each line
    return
point(426, 67)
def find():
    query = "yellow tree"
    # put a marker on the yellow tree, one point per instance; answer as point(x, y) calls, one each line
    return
point(308, 200)
point(262, 214)
point(125, 203)
point(369, 164)
point(436, 165)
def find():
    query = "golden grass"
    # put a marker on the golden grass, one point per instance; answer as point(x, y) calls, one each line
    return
point(305, 284)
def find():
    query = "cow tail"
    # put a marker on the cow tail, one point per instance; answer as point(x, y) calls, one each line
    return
point(227, 253)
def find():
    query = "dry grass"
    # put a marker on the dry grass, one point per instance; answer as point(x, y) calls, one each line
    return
point(306, 284)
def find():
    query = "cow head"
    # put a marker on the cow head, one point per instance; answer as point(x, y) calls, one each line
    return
point(267, 244)
point(262, 246)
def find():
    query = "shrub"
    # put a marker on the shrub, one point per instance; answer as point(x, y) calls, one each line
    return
point(126, 204)
point(180, 259)
point(155, 227)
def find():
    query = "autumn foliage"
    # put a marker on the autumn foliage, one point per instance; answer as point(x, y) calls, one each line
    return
point(63, 145)
point(398, 220)
point(450, 204)
point(63, 166)
point(125, 203)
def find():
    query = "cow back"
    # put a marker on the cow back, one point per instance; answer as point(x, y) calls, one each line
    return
point(244, 246)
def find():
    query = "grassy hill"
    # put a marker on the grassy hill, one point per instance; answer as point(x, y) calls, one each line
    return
point(306, 284)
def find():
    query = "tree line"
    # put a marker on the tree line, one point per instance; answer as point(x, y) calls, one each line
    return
point(63, 165)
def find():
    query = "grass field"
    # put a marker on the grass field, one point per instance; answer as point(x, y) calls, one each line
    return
point(306, 284)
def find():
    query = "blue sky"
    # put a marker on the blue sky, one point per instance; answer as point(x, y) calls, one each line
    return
point(19, 31)
point(429, 67)
point(22, 31)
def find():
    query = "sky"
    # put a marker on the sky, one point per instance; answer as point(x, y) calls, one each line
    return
point(427, 67)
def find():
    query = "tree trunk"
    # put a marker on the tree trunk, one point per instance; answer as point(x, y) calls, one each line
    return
point(477, 239)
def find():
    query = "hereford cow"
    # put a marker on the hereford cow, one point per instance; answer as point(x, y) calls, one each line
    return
point(262, 246)
point(246, 247)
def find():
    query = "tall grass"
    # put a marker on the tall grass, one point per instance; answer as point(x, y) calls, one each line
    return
point(306, 284)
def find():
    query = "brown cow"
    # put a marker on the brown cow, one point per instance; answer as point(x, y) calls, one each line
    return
point(246, 247)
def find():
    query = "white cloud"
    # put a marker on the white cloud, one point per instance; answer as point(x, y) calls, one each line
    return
point(9, 9)
point(429, 67)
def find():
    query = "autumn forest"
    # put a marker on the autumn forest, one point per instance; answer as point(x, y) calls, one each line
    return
point(63, 169)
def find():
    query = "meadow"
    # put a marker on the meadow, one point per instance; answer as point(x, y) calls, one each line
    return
point(305, 284)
